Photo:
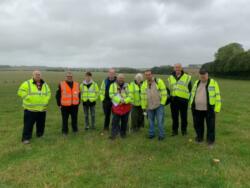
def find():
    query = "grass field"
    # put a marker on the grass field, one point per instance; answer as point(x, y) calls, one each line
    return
point(91, 160)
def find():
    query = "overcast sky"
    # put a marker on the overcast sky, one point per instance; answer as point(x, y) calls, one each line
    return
point(107, 33)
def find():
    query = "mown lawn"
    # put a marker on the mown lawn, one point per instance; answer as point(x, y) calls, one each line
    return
point(89, 159)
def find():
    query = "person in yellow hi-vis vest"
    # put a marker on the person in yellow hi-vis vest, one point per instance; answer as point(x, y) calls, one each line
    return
point(104, 97)
point(35, 94)
point(119, 94)
point(137, 117)
point(89, 95)
point(205, 101)
point(179, 86)
point(153, 99)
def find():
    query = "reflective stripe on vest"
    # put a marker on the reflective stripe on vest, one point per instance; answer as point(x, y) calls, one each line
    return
point(39, 92)
point(180, 88)
point(214, 98)
point(36, 100)
point(136, 94)
point(88, 93)
point(116, 94)
point(69, 96)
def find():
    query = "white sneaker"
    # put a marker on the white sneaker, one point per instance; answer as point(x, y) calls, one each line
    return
point(26, 142)
point(210, 146)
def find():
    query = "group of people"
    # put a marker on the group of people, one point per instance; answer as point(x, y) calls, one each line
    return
point(139, 99)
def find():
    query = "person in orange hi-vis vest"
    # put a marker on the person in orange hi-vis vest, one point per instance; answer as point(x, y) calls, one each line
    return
point(68, 99)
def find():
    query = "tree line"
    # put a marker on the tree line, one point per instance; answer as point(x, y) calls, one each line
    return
point(231, 60)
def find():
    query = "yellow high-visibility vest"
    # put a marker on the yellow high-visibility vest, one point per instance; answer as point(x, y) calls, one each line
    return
point(214, 96)
point(90, 93)
point(135, 93)
point(179, 88)
point(161, 87)
point(33, 99)
point(116, 96)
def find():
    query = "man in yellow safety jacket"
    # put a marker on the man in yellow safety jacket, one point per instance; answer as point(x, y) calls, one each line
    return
point(89, 94)
point(205, 101)
point(153, 99)
point(179, 87)
point(35, 94)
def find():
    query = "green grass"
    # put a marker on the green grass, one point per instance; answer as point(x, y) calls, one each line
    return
point(89, 159)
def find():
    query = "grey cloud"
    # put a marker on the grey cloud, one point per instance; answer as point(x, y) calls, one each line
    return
point(108, 33)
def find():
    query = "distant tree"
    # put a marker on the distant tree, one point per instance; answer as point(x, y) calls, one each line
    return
point(225, 54)
point(230, 60)
point(162, 69)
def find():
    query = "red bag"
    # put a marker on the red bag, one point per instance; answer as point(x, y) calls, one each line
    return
point(121, 109)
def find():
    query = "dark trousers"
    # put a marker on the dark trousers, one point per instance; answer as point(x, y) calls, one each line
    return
point(87, 109)
point(30, 118)
point(66, 111)
point(137, 118)
point(199, 117)
point(107, 109)
point(179, 107)
point(119, 124)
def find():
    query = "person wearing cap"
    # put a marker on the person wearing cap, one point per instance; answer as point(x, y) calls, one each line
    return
point(89, 95)
point(35, 94)
point(205, 101)
point(179, 87)
point(137, 117)
point(68, 100)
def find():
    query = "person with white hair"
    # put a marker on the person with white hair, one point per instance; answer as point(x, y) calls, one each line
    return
point(119, 94)
point(137, 117)
point(35, 94)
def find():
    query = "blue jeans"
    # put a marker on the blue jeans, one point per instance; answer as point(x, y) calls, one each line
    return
point(157, 113)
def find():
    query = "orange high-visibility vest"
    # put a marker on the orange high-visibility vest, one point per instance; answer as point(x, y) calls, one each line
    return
point(69, 96)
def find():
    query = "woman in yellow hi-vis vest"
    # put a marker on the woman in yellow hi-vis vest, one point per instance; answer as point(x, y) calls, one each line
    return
point(35, 94)
point(89, 95)
point(137, 117)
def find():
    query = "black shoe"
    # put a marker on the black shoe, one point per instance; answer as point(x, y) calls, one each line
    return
point(198, 140)
point(174, 134)
point(111, 137)
point(151, 137)
point(184, 133)
point(135, 130)
point(123, 136)
point(160, 138)
point(105, 129)
point(65, 134)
